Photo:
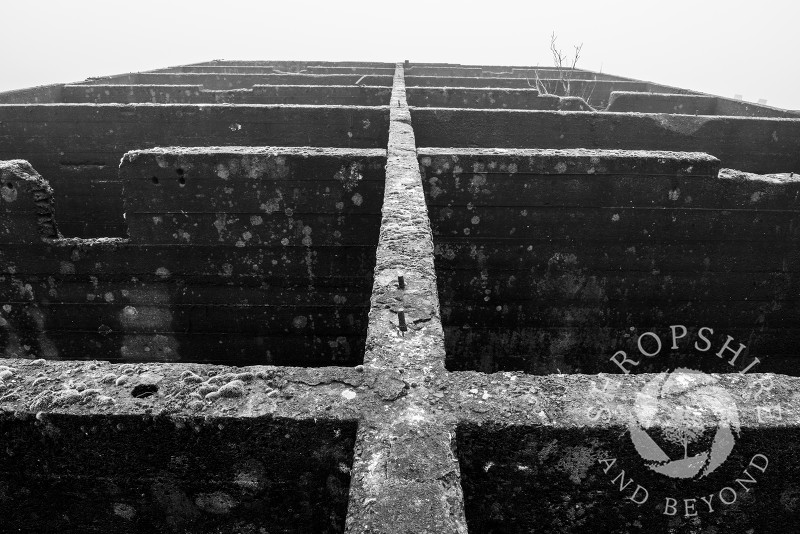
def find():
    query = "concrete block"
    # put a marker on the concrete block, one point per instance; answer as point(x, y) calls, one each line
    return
point(757, 145)
point(248, 197)
point(639, 102)
point(27, 214)
point(449, 97)
point(537, 251)
point(77, 147)
point(95, 446)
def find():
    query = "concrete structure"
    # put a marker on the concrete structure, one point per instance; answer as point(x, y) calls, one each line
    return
point(367, 297)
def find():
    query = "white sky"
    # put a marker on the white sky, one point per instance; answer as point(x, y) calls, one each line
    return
point(719, 47)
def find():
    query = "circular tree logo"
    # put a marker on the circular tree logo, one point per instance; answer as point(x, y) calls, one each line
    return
point(690, 409)
point(684, 424)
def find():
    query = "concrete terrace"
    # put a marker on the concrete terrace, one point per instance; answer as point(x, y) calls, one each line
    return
point(284, 296)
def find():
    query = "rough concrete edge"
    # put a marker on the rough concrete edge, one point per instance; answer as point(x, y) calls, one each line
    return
point(431, 89)
point(405, 474)
point(585, 153)
point(599, 114)
point(301, 151)
point(41, 192)
point(682, 96)
point(785, 178)
point(181, 390)
point(602, 400)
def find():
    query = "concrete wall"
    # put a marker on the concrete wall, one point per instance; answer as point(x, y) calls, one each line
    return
point(239, 81)
point(595, 92)
point(554, 260)
point(235, 255)
point(627, 101)
point(529, 479)
point(738, 108)
point(77, 147)
point(456, 81)
point(328, 69)
point(27, 210)
point(623, 101)
point(282, 65)
point(750, 144)
point(349, 95)
point(457, 97)
point(552, 72)
point(221, 69)
point(138, 475)
point(45, 94)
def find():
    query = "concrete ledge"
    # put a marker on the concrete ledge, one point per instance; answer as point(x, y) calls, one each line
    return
point(212, 195)
point(222, 69)
point(44, 94)
point(547, 259)
point(240, 81)
point(154, 448)
point(684, 104)
point(456, 97)
point(333, 69)
point(756, 145)
point(77, 147)
point(97, 388)
point(259, 94)
point(624, 101)
point(264, 253)
point(530, 450)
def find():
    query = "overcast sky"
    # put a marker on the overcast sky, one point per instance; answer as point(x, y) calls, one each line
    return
point(724, 48)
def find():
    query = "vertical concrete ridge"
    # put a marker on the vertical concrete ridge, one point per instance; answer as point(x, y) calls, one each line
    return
point(413, 342)
point(405, 475)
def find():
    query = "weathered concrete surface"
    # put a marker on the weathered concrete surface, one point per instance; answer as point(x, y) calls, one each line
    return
point(738, 108)
point(223, 81)
point(530, 451)
point(222, 69)
point(27, 215)
point(758, 145)
point(290, 65)
point(467, 81)
point(529, 447)
point(596, 92)
point(639, 102)
point(207, 448)
point(350, 95)
point(329, 69)
point(265, 253)
point(555, 72)
point(405, 476)
point(93, 447)
point(77, 147)
point(685, 104)
point(552, 260)
point(44, 94)
point(256, 196)
point(474, 97)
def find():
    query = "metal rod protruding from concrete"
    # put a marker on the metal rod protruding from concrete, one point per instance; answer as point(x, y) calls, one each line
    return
point(401, 317)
